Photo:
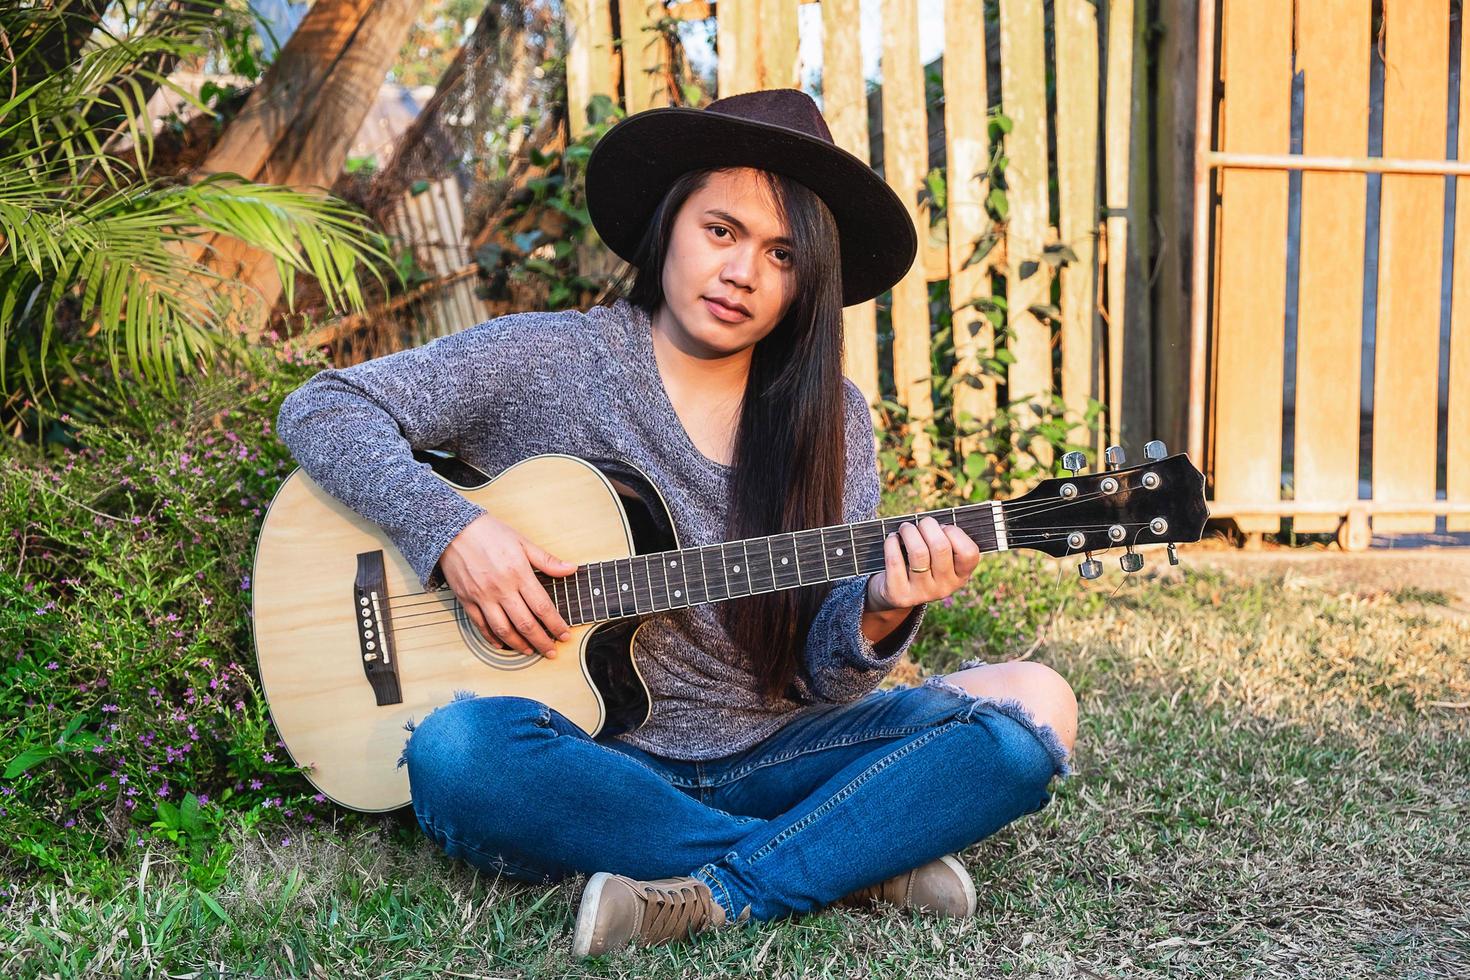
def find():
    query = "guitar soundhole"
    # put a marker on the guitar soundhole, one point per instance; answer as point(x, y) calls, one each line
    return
point(496, 657)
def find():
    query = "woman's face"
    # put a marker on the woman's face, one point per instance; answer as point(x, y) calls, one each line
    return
point(729, 244)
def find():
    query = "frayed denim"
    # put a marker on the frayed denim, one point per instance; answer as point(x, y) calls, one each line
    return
point(840, 797)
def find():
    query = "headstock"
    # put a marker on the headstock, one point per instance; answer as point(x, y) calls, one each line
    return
point(1158, 501)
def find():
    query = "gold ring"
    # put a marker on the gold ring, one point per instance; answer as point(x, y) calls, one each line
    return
point(924, 569)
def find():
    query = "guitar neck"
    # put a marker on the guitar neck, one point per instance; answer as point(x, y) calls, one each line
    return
point(660, 581)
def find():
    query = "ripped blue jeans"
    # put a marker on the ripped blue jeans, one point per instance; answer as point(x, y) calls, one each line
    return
point(840, 797)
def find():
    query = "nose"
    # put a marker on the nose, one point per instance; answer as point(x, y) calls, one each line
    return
point(739, 267)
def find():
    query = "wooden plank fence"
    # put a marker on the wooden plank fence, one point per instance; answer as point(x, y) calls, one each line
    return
point(1396, 457)
point(758, 47)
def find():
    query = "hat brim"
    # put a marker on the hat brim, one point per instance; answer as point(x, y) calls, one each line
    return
point(634, 163)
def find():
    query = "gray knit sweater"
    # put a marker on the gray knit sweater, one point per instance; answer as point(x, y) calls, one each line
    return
point(585, 384)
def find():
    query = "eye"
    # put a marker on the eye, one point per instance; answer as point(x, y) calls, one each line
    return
point(718, 228)
point(787, 253)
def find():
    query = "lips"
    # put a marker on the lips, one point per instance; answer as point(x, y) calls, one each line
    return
point(724, 312)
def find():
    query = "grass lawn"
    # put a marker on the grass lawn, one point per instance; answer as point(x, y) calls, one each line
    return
point(1273, 780)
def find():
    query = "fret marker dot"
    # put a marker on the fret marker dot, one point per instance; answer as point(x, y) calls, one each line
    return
point(839, 551)
point(625, 586)
point(677, 593)
point(673, 564)
point(784, 561)
point(736, 568)
point(597, 592)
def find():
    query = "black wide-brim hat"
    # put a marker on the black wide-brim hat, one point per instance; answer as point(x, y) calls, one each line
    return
point(780, 130)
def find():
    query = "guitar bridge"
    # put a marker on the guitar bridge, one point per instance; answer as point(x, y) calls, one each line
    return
point(373, 624)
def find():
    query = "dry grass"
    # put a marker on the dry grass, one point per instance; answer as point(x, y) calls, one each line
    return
point(1271, 783)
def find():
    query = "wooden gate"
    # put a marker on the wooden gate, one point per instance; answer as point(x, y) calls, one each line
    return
point(1331, 377)
point(1100, 163)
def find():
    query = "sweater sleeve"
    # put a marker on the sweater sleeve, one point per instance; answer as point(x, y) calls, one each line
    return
point(353, 430)
point(841, 663)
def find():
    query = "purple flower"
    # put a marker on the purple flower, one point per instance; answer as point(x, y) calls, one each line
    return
point(270, 757)
point(53, 665)
point(255, 784)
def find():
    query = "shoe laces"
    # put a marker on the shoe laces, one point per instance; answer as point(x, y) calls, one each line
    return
point(676, 909)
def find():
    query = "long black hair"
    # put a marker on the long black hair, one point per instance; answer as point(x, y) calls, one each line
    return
point(788, 467)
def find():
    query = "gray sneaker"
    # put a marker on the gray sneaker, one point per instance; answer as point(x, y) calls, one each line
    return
point(942, 886)
point(617, 910)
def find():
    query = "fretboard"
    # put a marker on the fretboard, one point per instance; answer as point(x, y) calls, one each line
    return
point(664, 580)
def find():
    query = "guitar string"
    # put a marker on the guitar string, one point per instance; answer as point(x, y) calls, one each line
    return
point(458, 607)
point(866, 533)
point(977, 515)
point(1029, 536)
point(647, 595)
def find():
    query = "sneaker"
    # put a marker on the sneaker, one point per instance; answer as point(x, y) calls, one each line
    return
point(942, 886)
point(617, 910)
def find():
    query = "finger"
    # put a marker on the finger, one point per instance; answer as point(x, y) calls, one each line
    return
point(894, 572)
point(528, 626)
point(507, 637)
point(937, 542)
point(535, 597)
point(966, 552)
point(478, 618)
point(547, 562)
point(913, 543)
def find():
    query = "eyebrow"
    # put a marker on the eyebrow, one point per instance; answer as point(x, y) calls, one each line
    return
point(740, 226)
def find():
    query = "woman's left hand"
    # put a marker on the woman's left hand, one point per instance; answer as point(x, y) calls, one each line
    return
point(940, 558)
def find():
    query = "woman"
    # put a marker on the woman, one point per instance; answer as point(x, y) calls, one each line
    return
point(770, 777)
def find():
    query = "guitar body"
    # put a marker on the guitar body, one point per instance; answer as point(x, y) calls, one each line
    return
point(309, 640)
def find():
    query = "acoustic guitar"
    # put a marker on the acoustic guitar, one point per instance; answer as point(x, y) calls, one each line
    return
point(351, 648)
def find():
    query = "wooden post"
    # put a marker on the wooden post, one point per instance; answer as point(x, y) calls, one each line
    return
point(905, 163)
point(967, 150)
point(1028, 280)
point(1411, 231)
point(1333, 46)
point(1077, 180)
point(845, 107)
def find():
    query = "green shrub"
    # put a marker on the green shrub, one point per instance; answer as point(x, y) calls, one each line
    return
point(129, 703)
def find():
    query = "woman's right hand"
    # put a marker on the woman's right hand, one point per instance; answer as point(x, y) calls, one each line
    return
point(491, 569)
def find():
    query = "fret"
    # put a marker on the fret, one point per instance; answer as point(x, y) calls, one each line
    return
point(703, 581)
point(852, 550)
point(835, 554)
point(647, 585)
point(771, 556)
point(668, 589)
point(599, 590)
point(762, 577)
point(577, 588)
point(803, 541)
point(734, 568)
point(678, 564)
point(788, 572)
point(652, 573)
point(620, 588)
point(715, 593)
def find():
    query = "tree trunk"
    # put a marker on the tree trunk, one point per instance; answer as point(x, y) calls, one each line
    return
point(299, 123)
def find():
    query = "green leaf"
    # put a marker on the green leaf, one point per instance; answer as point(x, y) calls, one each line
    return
point(29, 758)
point(214, 907)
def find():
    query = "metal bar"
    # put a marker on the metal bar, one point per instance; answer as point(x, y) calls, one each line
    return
point(1199, 277)
point(1288, 507)
point(1376, 165)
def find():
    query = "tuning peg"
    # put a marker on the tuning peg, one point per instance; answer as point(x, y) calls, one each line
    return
point(1115, 457)
point(1131, 560)
point(1173, 555)
point(1155, 449)
point(1074, 463)
point(1091, 568)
